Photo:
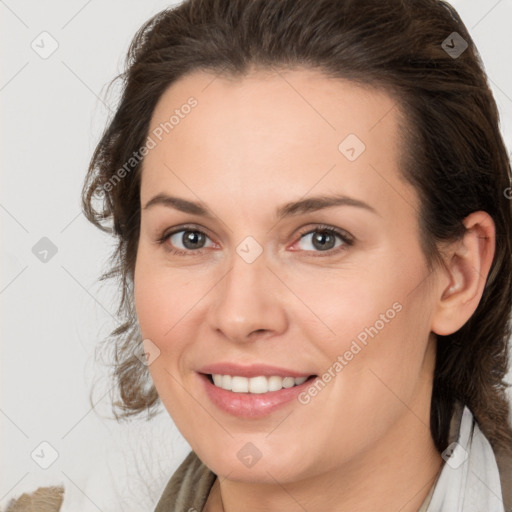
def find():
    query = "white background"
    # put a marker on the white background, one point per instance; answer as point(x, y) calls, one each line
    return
point(54, 313)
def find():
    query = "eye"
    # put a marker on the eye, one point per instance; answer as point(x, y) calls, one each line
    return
point(185, 241)
point(324, 239)
point(190, 241)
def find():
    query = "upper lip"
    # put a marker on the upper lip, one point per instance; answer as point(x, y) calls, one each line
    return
point(253, 370)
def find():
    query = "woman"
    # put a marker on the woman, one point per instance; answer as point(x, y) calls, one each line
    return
point(314, 238)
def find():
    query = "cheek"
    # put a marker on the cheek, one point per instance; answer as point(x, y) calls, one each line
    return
point(152, 304)
point(167, 302)
point(347, 304)
point(163, 300)
point(374, 361)
point(375, 318)
point(161, 294)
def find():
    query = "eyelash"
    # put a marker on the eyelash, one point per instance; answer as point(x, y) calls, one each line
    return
point(347, 239)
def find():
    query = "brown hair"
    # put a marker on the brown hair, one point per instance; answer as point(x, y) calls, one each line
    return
point(453, 154)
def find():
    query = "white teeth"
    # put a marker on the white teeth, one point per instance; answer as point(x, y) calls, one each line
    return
point(288, 382)
point(275, 383)
point(226, 381)
point(256, 385)
point(239, 384)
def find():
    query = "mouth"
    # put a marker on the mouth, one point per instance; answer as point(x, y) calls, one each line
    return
point(253, 397)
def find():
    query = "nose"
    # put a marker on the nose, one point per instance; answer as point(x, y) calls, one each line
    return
point(249, 302)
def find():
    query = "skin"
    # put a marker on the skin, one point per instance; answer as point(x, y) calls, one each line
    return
point(249, 146)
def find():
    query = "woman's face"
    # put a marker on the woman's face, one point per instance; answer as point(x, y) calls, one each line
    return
point(260, 167)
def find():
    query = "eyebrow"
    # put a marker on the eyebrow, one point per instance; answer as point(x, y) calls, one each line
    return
point(302, 206)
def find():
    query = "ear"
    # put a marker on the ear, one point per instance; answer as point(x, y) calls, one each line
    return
point(462, 282)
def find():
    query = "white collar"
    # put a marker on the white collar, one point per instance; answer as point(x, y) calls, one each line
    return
point(470, 479)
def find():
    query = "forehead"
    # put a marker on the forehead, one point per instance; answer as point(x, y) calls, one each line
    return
point(269, 129)
point(289, 103)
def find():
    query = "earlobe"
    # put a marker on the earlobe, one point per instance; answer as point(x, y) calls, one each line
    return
point(462, 281)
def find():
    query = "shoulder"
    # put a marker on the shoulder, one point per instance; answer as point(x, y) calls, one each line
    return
point(188, 487)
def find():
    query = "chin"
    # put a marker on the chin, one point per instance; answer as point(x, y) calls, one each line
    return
point(267, 469)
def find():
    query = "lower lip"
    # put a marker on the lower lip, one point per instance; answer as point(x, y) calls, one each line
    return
point(251, 405)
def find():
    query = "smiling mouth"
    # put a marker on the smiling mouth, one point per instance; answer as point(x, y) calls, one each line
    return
point(255, 385)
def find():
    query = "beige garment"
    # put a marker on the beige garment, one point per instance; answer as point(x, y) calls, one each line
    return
point(44, 499)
